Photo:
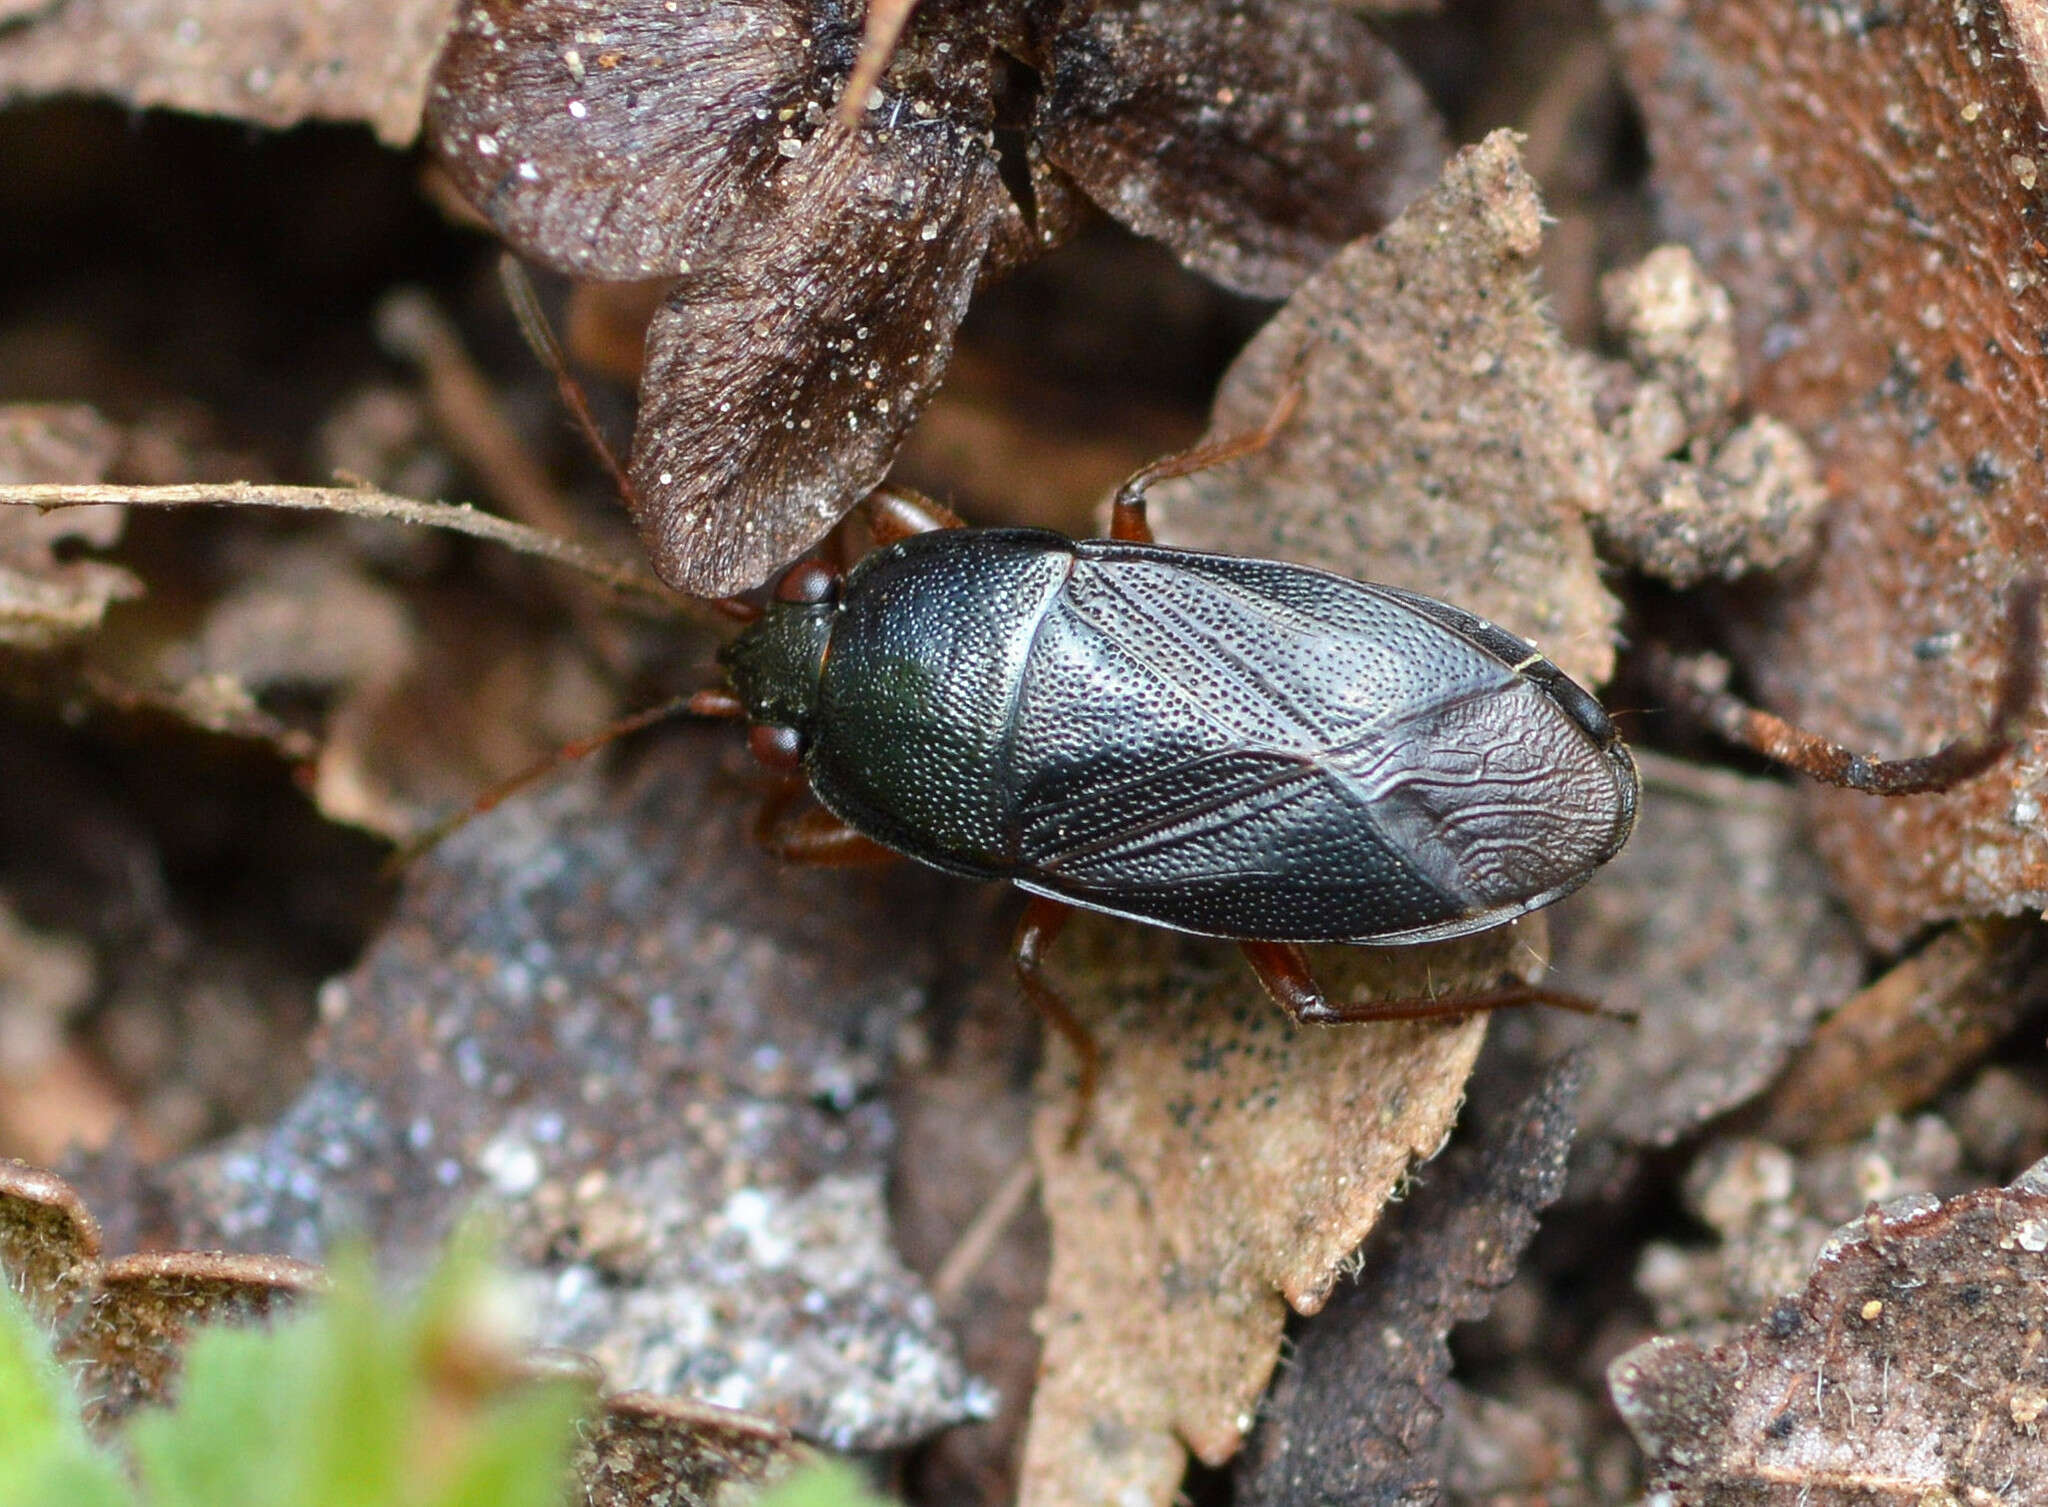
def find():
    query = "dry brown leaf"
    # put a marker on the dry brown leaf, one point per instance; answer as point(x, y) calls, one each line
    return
point(1232, 1162)
point(822, 272)
point(315, 620)
point(1445, 441)
point(1358, 1418)
point(1908, 1371)
point(1199, 125)
point(644, 1450)
point(1231, 1165)
point(124, 1322)
point(45, 600)
point(49, 1241)
point(271, 62)
point(1870, 196)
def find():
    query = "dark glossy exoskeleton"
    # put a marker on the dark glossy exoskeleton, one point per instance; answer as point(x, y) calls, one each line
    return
point(1236, 748)
point(1230, 747)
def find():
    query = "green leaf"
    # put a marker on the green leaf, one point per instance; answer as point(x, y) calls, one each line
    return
point(206, 1453)
point(521, 1457)
point(829, 1483)
point(356, 1402)
point(60, 1478)
point(46, 1458)
point(37, 1410)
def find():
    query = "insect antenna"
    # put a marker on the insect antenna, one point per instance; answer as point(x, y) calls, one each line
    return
point(705, 706)
point(1127, 510)
point(1697, 685)
point(884, 28)
point(539, 335)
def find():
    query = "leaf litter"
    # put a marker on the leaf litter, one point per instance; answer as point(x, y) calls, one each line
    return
point(272, 64)
point(1868, 198)
point(1715, 929)
point(1359, 1416)
point(658, 1061)
point(46, 600)
point(1680, 453)
point(1908, 1368)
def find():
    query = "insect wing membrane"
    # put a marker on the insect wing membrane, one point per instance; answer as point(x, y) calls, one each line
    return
point(1250, 749)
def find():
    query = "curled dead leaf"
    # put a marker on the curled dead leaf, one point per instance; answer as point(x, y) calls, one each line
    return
point(822, 267)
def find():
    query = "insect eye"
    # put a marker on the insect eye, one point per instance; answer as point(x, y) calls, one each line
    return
point(809, 582)
point(778, 748)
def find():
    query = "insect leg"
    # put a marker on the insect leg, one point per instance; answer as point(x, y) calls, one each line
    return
point(1698, 686)
point(1127, 512)
point(1041, 923)
point(815, 838)
point(1283, 969)
point(895, 512)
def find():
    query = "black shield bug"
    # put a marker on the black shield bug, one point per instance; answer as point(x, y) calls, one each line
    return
point(1236, 748)
point(1231, 747)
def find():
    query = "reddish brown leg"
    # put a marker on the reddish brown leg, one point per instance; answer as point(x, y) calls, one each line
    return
point(896, 512)
point(1040, 926)
point(707, 704)
point(815, 838)
point(1127, 513)
point(1697, 686)
point(1283, 969)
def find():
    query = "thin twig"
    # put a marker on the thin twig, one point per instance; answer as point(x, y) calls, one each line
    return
point(621, 576)
point(972, 1249)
